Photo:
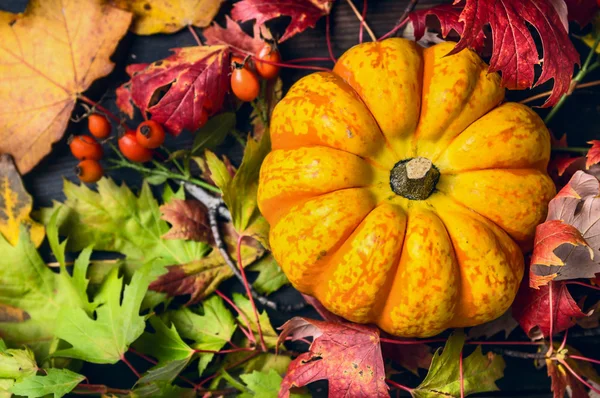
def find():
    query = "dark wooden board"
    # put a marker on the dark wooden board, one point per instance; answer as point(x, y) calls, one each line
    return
point(578, 119)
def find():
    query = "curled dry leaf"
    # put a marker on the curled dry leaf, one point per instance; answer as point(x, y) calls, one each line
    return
point(567, 245)
point(181, 90)
point(15, 205)
point(448, 15)
point(188, 219)
point(168, 16)
point(505, 323)
point(235, 38)
point(347, 355)
point(410, 356)
point(532, 309)
point(581, 11)
point(43, 73)
point(304, 13)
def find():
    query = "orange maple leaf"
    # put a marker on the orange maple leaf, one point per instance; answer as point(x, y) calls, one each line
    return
point(48, 56)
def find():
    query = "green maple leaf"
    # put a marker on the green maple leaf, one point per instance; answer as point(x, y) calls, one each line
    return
point(115, 220)
point(160, 389)
point(270, 278)
point(15, 365)
point(209, 331)
point(264, 384)
point(117, 324)
point(166, 345)
point(57, 382)
point(239, 192)
point(480, 372)
point(31, 295)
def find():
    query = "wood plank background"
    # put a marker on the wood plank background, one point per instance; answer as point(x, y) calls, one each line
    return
point(578, 119)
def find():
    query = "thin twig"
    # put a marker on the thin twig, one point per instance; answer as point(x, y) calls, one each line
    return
point(519, 354)
point(394, 30)
point(193, 32)
point(364, 15)
point(362, 20)
point(407, 10)
point(130, 366)
point(547, 93)
point(248, 332)
point(588, 385)
point(582, 284)
point(95, 389)
point(398, 385)
point(99, 107)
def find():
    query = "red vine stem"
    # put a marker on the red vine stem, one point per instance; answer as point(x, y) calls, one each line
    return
point(564, 341)
point(312, 59)
point(396, 28)
point(193, 32)
point(586, 359)
point(364, 15)
point(549, 353)
point(585, 383)
point(547, 93)
point(362, 20)
point(397, 385)
point(249, 357)
point(99, 107)
point(461, 377)
point(292, 66)
point(248, 334)
point(130, 366)
point(582, 284)
point(248, 292)
point(328, 39)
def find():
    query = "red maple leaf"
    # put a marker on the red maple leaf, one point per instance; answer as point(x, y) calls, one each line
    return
point(532, 309)
point(448, 15)
point(179, 91)
point(581, 11)
point(567, 244)
point(304, 13)
point(348, 355)
point(233, 36)
point(410, 356)
point(514, 52)
point(593, 155)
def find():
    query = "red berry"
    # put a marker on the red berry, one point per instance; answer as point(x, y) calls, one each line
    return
point(85, 147)
point(244, 84)
point(150, 134)
point(266, 70)
point(131, 148)
point(89, 171)
point(99, 126)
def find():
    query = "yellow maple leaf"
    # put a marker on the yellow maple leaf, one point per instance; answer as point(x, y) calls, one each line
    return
point(15, 205)
point(48, 56)
point(168, 16)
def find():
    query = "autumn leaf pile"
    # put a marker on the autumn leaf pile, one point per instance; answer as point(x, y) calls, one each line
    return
point(148, 280)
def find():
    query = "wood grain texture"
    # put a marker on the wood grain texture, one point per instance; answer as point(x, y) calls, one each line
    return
point(578, 119)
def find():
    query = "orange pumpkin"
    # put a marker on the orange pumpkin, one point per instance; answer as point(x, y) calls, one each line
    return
point(400, 192)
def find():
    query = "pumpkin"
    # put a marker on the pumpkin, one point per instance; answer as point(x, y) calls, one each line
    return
point(401, 192)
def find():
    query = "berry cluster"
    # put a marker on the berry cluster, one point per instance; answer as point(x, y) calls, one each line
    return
point(136, 146)
point(244, 80)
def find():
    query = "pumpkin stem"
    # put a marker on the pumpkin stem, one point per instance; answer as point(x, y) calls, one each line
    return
point(414, 178)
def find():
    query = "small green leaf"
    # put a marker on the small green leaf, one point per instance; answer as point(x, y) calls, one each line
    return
point(218, 171)
point(155, 179)
point(169, 194)
point(270, 278)
point(265, 384)
point(16, 364)
point(213, 132)
point(106, 338)
point(210, 331)
point(480, 372)
point(58, 382)
point(172, 352)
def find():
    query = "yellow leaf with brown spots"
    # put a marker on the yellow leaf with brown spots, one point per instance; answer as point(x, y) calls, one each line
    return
point(15, 205)
point(48, 56)
point(168, 16)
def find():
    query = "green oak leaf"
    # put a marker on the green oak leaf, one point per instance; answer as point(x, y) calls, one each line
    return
point(269, 334)
point(209, 331)
point(31, 295)
point(105, 338)
point(480, 372)
point(58, 382)
point(213, 132)
point(239, 192)
point(270, 278)
point(166, 345)
point(264, 384)
point(115, 220)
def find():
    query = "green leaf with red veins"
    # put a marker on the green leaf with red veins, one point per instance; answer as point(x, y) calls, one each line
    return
point(180, 91)
point(58, 382)
point(480, 372)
